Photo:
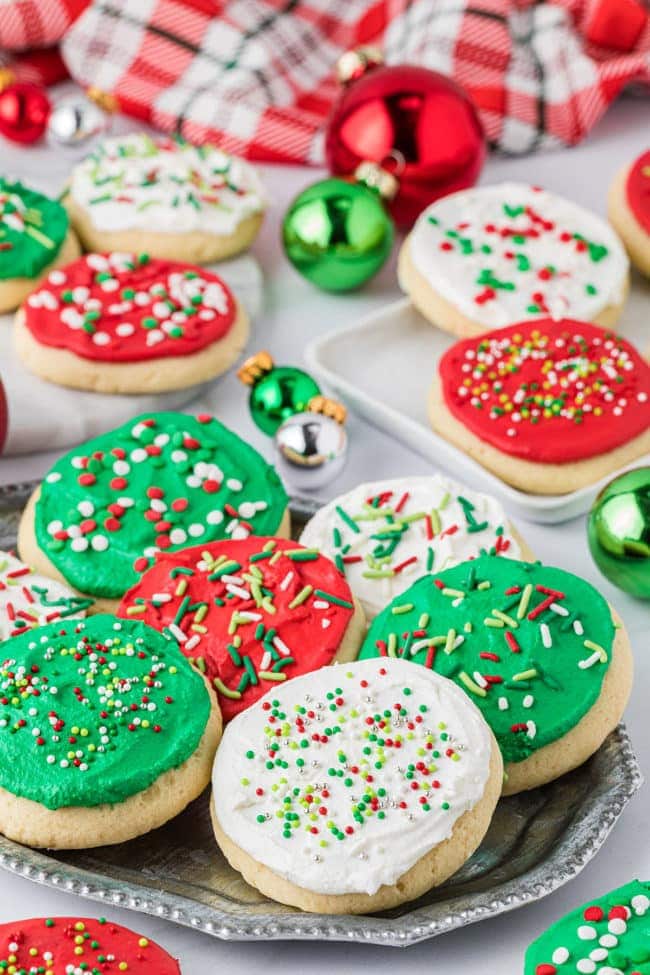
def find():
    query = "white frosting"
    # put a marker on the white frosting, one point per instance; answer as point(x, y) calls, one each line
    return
point(22, 603)
point(163, 186)
point(456, 275)
point(387, 841)
point(373, 580)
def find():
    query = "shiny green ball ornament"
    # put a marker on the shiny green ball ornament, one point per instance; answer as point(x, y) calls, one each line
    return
point(337, 233)
point(619, 532)
point(277, 392)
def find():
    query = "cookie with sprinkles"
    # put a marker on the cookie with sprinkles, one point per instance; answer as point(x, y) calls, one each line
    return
point(609, 935)
point(250, 613)
point(539, 651)
point(158, 483)
point(547, 406)
point(127, 323)
point(80, 946)
point(106, 732)
point(28, 600)
point(492, 255)
point(384, 535)
point(355, 788)
point(629, 209)
point(167, 197)
point(35, 238)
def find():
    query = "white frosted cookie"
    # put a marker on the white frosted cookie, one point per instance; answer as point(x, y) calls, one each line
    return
point(386, 534)
point(494, 255)
point(355, 788)
point(28, 599)
point(166, 197)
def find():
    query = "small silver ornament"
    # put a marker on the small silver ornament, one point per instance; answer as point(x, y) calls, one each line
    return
point(311, 447)
point(75, 120)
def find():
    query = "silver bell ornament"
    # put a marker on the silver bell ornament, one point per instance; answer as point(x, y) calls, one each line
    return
point(78, 120)
point(311, 447)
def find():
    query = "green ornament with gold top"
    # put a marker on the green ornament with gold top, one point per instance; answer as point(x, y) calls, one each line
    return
point(277, 392)
point(618, 530)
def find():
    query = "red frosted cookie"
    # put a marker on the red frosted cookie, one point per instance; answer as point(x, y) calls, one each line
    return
point(548, 406)
point(102, 321)
point(250, 613)
point(78, 945)
point(629, 209)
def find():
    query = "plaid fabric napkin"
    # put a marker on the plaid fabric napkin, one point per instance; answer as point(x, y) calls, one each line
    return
point(28, 31)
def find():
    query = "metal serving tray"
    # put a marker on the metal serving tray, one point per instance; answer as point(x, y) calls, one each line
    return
point(537, 841)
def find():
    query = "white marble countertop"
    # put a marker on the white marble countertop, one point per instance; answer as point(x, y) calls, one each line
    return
point(294, 312)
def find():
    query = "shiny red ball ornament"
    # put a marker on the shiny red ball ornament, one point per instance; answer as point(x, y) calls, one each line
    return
point(416, 123)
point(24, 111)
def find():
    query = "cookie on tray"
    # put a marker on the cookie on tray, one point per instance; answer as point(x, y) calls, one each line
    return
point(160, 482)
point(250, 613)
point(127, 323)
point(106, 732)
point(609, 935)
point(629, 210)
point(549, 407)
point(539, 651)
point(35, 238)
point(167, 197)
point(355, 788)
point(28, 599)
point(383, 535)
point(78, 945)
point(493, 255)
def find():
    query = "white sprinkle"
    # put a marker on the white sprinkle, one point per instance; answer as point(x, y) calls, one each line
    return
point(193, 641)
point(617, 926)
point(99, 543)
point(528, 701)
point(560, 955)
point(161, 597)
point(247, 615)
point(325, 623)
point(238, 591)
point(196, 530)
point(480, 679)
point(587, 933)
point(177, 536)
point(53, 477)
point(531, 729)
point(547, 640)
point(56, 277)
point(177, 632)
point(320, 604)
point(281, 647)
point(79, 544)
point(560, 610)
point(214, 517)
point(599, 954)
point(608, 941)
point(640, 904)
point(266, 661)
point(577, 628)
point(585, 966)
point(589, 661)
point(234, 484)
point(138, 455)
point(101, 338)
point(286, 582)
point(503, 704)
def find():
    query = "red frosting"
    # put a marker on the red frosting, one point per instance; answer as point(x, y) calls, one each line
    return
point(128, 307)
point(249, 612)
point(638, 190)
point(94, 945)
point(549, 392)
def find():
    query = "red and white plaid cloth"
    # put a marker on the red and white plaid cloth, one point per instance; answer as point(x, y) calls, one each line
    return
point(257, 75)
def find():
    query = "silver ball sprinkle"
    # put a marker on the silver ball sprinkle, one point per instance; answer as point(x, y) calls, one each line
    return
point(311, 450)
point(74, 121)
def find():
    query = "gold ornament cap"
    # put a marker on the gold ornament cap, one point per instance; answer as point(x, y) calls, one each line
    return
point(377, 178)
point(255, 367)
point(103, 99)
point(7, 78)
point(328, 407)
point(353, 64)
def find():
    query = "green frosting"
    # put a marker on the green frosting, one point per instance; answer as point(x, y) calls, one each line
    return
point(531, 644)
point(95, 710)
point(607, 936)
point(32, 230)
point(162, 481)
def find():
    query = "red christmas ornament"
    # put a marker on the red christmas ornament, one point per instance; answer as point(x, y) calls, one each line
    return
point(415, 122)
point(24, 111)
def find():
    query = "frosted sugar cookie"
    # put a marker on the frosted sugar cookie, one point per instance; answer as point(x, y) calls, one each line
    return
point(158, 483)
point(537, 649)
point(28, 600)
point(126, 323)
point(493, 255)
point(106, 732)
point(74, 945)
point(385, 534)
point(609, 935)
point(35, 237)
point(355, 788)
point(629, 210)
point(166, 197)
point(250, 613)
point(547, 406)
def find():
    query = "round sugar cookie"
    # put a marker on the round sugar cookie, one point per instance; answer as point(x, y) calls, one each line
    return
point(127, 323)
point(547, 406)
point(250, 613)
point(106, 732)
point(355, 788)
point(28, 600)
point(609, 935)
point(167, 197)
point(629, 210)
point(536, 648)
point(77, 946)
point(492, 255)
point(160, 482)
point(35, 237)
point(385, 534)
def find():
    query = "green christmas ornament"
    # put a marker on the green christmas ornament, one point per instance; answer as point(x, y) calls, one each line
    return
point(277, 392)
point(619, 532)
point(337, 233)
